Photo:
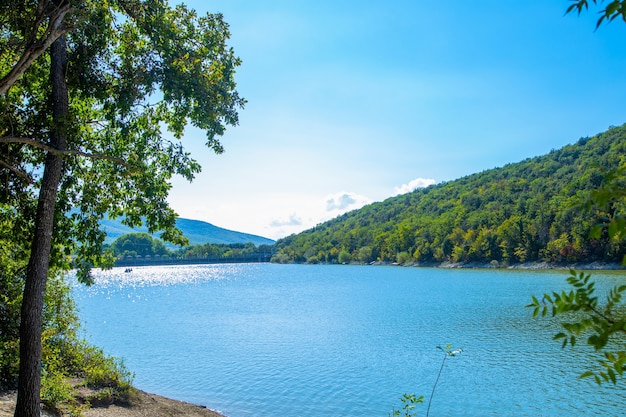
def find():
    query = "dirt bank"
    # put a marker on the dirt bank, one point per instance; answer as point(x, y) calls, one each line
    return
point(145, 405)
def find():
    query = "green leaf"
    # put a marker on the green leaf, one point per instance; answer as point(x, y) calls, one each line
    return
point(586, 374)
point(596, 232)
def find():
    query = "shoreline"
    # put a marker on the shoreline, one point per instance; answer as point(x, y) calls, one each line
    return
point(145, 405)
point(538, 266)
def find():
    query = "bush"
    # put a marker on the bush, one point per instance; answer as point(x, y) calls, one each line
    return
point(313, 260)
point(55, 390)
point(403, 258)
point(65, 357)
point(11, 288)
point(344, 257)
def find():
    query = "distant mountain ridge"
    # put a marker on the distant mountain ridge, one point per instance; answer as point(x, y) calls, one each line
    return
point(198, 232)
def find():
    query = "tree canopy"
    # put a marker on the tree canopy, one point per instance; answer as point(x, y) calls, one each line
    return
point(137, 73)
point(94, 100)
point(138, 244)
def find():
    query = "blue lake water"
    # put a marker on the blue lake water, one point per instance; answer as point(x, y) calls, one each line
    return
point(264, 340)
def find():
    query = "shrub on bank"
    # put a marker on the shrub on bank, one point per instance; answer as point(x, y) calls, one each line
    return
point(68, 361)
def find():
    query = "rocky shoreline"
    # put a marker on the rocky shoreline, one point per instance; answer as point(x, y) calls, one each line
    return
point(593, 266)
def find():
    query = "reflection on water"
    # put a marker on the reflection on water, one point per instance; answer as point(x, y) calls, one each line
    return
point(287, 340)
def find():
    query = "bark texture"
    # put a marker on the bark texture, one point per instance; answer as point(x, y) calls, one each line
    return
point(28, 399)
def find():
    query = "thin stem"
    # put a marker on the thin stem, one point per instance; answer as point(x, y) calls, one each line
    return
point(445, 356)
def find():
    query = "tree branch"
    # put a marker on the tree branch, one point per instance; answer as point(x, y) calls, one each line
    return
point(599, 314)
point(50, 149)
point(35, 47)
point(16, 171)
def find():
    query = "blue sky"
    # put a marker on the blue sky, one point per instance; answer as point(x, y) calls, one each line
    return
point(351, 102)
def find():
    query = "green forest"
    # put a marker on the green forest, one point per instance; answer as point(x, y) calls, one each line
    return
point(152, 249)
point(536, 210)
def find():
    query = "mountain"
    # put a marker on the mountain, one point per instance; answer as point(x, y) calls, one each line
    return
point(198, 233)
point(522, 212)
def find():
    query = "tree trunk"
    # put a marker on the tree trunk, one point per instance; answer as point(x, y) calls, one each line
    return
point(28, 396)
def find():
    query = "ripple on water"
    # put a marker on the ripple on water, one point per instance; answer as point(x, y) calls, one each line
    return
point(269, 340)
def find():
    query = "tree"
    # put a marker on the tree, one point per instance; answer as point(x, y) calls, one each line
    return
point(364, 255)
point(141, 244)
point(344, 257)
point(587, 317)
point(39, 261)
point(86, 89)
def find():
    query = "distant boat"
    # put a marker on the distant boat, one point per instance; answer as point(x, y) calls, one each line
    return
point(128, 270)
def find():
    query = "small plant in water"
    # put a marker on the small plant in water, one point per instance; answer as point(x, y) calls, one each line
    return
point(408, 406)
point(447, 352)
point(409, 400)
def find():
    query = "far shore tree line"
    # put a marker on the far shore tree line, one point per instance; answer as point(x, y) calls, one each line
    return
point(144, 246)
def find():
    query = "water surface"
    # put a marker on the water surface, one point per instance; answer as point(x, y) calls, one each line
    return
point(268, 340)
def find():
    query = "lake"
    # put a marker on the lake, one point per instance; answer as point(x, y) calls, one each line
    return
point(265, 340)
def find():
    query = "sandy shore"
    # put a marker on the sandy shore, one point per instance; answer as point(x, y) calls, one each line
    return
point(146, 405)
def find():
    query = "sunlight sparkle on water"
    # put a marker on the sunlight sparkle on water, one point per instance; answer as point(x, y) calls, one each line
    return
point(117, 278)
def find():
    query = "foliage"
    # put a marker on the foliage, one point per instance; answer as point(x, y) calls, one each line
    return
point(403, 258)
point(603, 326)
point(408, 406)
point(609, 203)
point(144, 245)
point(10, 301)
point(614, 9)
point(281, 258)
point(65, 355)
point(344, 257)
point(138, 244)
point(55, 390)
point(523, 212)
point(587, 318)
point(221, 252)
point(94, 101)
point(135, 69)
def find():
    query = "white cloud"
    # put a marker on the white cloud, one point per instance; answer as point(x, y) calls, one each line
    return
point(413, 185)
point(293, 220)
point(339, 202)
point(345, 201)
point(306, 212)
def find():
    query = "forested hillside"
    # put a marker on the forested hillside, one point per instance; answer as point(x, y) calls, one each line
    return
point(527, 211)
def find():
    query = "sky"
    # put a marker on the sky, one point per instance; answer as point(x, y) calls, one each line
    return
point(352, 102)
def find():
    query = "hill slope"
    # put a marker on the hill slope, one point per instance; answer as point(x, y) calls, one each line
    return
point(527, 211)
point(198, 233)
